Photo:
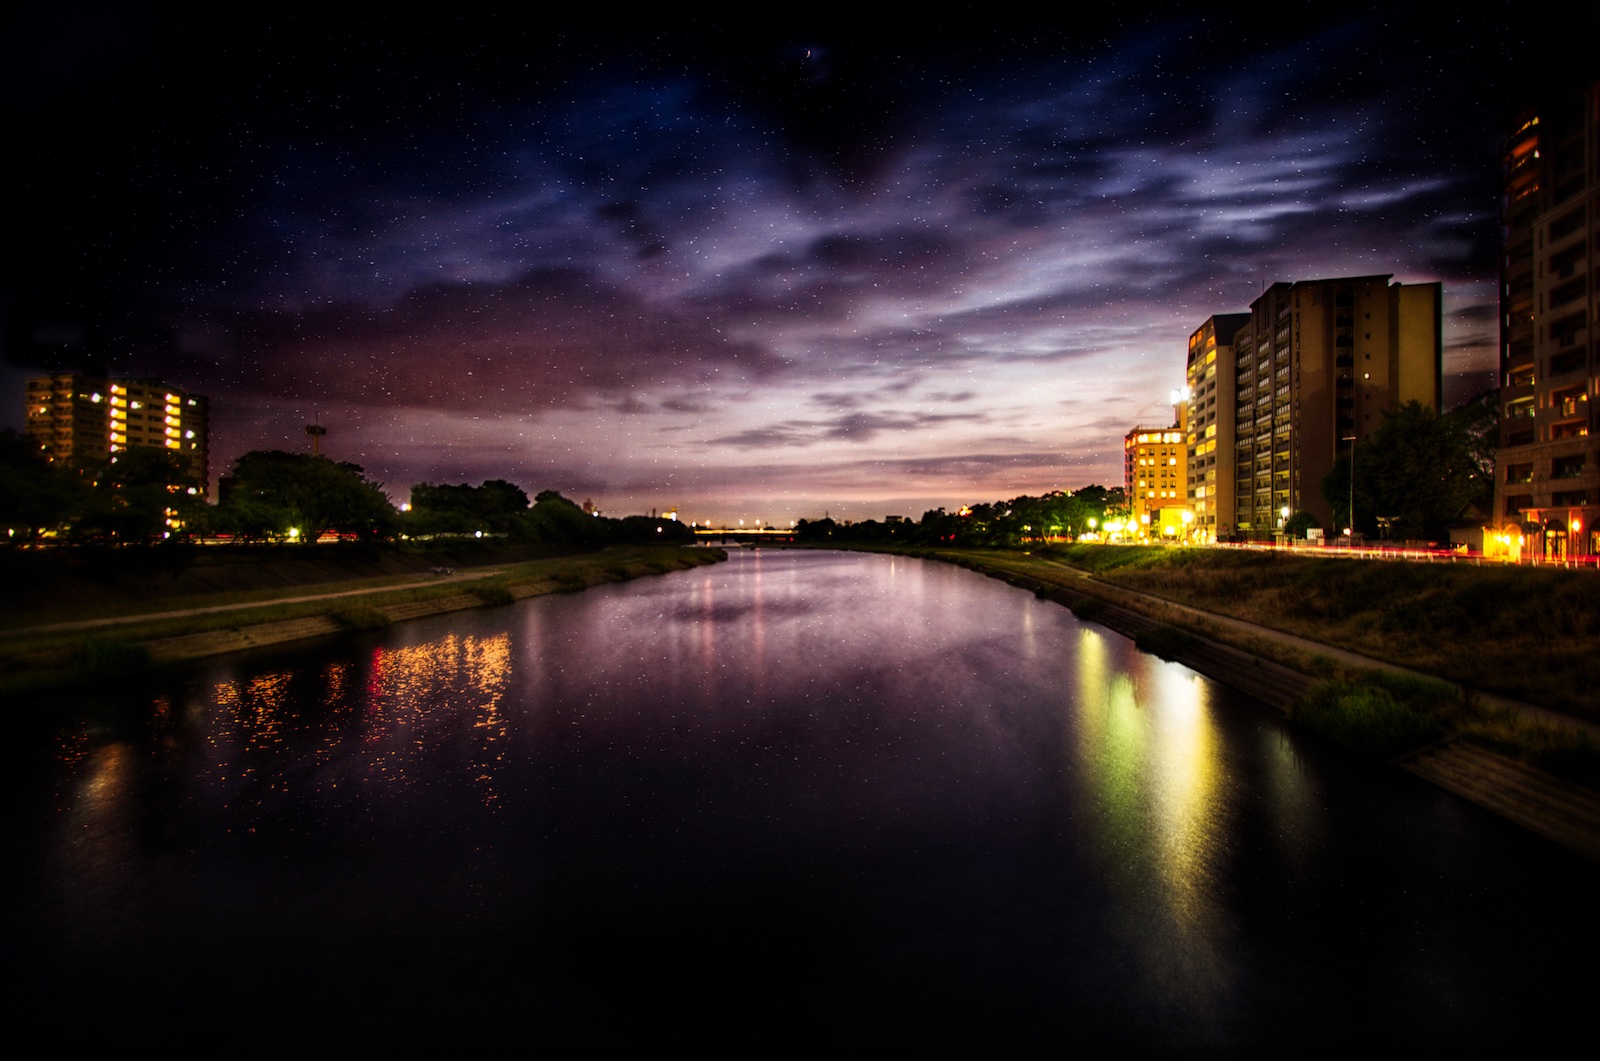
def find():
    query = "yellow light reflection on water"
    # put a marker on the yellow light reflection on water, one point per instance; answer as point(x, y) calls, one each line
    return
point(1151, 757)
point(1183, 776)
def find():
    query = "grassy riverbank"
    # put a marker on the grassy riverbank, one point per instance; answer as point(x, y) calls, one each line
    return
point(1528, 633)
point(104, 631)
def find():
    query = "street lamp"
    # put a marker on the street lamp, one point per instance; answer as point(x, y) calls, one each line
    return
point(1350, 515)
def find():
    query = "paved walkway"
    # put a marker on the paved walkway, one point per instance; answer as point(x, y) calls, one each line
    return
point(473, 573)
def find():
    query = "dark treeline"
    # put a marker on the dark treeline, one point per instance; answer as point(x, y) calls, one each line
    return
point(147, 496)
point(1001, 524)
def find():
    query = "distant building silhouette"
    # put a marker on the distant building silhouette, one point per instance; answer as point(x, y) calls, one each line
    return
point(83, 418)
point(1547, 469)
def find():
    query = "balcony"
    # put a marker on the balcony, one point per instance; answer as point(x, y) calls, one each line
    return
point(1563, 468)
point(1567, 263)
point(1570, 361)
point(1565, 331)
point(1569, 292)
point(1566, 225)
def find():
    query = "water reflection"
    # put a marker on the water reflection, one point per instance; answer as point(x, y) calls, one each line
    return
point(885, 802)
point(1150, 748)
point(377, 723)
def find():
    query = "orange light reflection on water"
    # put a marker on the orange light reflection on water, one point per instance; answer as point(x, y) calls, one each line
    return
point(414, 690)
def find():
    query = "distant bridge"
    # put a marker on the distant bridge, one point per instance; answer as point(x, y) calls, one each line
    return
point(753, 535)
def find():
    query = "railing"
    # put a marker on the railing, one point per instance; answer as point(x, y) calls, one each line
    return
point(1414, 554)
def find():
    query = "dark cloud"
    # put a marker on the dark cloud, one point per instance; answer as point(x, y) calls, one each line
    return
point(550, 338)
point(849, 427)
point(577, 253)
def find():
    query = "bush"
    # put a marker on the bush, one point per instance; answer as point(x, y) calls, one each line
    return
point(1365, 716)
point(1088, 607)
point(112, 659)
point(493, 593)
point(360, 618)
point(1168, 642)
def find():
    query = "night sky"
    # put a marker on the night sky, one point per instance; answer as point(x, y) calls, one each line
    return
point(762, 266)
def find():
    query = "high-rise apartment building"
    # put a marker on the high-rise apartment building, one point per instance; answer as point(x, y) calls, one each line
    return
point(79, 418)
point(1210, 383)
point(1312, 369)
point(1154, 475)
point(1547, 469)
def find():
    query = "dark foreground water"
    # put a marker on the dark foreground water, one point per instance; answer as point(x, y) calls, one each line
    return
point(796, 803)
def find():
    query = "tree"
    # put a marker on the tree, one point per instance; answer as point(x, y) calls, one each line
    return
point(1416, 474)
point(1102, 503)
point(555, 520)
point(141, 494)
point(495, 506)
point(1297, 525)
point(35, 496)
point(1478, 419)
point(275, 492)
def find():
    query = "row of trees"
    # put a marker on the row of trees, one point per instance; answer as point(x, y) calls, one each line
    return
point(131, 499)
point(1000, 524)
point(146, 495)
point(1415, 475)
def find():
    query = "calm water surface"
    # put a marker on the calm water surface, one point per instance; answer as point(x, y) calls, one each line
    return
point(797, 802)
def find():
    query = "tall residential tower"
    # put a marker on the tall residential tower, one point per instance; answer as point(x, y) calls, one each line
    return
point(1210, 383)
point(1547, 469)
point(1311, 369)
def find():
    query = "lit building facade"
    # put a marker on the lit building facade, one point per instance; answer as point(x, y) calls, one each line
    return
point(80, 418)
point(69, 415)
point(1316, 365)
point(1155, 477)
point(1547, 468)
point(1208, 441)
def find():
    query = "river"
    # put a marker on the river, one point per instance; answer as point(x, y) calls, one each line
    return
point(798, 803)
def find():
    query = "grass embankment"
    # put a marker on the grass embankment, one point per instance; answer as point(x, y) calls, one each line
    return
point(1529, 634)
point(32, 659)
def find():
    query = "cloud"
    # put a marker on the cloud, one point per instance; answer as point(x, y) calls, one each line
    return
point(550, 338)
point(700, 255)
point(855, 427)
